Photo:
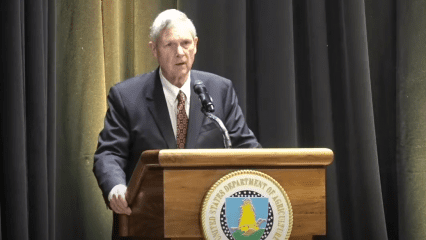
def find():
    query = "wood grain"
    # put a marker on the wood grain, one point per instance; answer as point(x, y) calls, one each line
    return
point(147, 218)
point(273, 157)
point(184, 191)
point(147, 160)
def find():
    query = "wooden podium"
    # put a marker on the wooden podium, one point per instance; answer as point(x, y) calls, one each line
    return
point(167, 188)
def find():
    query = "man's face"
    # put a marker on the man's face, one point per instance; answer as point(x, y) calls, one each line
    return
point(175, 51)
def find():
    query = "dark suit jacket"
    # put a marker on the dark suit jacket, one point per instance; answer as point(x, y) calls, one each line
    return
point(138, 120)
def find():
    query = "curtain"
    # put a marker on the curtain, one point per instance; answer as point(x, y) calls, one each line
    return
point(346, 75)
point(28, 119)
point(381, 35)
point(410, 118)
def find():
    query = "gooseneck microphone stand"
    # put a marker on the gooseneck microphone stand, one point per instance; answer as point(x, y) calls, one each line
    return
point(220, 125)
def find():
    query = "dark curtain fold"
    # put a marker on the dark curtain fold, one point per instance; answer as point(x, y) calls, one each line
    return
point(358, 175)
point(28, 119)
point(381, 35)
point(410, 118)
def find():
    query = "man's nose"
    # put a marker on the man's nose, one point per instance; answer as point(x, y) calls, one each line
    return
point(179, 50)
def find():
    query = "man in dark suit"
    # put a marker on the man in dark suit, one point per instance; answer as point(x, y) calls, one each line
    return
point(160, 110)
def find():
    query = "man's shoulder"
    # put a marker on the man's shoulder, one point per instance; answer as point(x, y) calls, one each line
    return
point(137, 82)
point(211, 78)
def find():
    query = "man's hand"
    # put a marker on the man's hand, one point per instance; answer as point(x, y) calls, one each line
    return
point(119, 205)
point(117, 200)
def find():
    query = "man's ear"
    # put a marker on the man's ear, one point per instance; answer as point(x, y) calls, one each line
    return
point(195, 45)
point(153, 47)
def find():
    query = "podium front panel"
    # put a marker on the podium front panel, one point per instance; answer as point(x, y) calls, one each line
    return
point(185, 189)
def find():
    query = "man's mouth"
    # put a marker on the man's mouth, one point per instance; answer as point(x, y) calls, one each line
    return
point(180, 64)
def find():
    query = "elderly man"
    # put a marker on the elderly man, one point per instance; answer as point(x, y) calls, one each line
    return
point(144, 111)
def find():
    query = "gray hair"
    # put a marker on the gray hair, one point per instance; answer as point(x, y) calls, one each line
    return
point(168, 19)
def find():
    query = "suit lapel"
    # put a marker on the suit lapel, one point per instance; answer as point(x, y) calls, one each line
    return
point(196, 117)
point(158, 107)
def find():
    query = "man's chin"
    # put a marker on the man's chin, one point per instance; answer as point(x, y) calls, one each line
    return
point(183, 70)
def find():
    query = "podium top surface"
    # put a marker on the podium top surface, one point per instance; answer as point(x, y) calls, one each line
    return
point(302, 157)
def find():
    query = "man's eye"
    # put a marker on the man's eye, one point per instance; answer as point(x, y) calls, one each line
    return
point(168, 44)
point(186, 44)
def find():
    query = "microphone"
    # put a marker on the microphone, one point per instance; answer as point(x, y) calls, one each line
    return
point(203, 94)
point(208, 108)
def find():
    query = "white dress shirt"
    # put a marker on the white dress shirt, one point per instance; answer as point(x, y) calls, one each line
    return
point(170, 92)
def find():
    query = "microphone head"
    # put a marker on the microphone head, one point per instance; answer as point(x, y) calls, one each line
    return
point(198, 86)
point(197, 82)
point(203, 95)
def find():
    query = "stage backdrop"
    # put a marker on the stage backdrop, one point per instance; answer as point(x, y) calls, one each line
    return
point(347, 75)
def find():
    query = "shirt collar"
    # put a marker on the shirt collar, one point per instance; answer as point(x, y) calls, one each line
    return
point(172, 90)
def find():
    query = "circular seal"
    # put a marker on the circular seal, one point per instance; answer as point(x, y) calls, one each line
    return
point(246, 204)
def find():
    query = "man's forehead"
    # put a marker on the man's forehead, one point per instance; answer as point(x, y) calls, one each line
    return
point(176, 32)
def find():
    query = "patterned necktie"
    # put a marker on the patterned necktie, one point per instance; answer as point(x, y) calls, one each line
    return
point(182, 121)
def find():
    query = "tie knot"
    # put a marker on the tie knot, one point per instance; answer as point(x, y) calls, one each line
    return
point(181, 97)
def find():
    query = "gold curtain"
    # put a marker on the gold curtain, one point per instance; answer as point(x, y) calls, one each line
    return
point(99, 43)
